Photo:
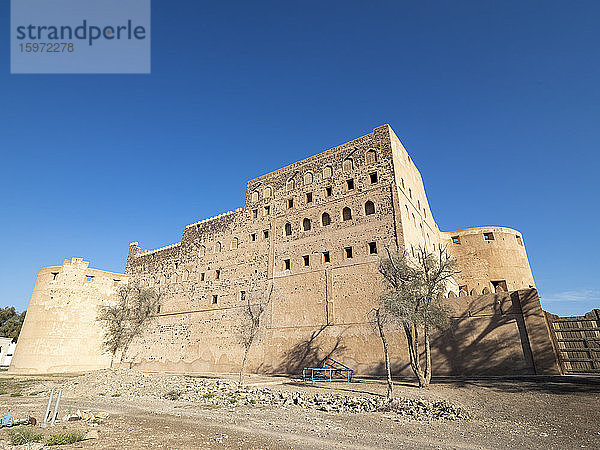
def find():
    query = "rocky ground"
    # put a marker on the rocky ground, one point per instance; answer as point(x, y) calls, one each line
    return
point(158, 411)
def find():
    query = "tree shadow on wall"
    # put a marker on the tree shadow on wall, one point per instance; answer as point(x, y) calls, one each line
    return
point(470, 348)
point(309, 353)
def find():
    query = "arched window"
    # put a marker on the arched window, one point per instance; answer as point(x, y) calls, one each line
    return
point(306, 225)
point(369, 208)
point(255, 196)
point(202, 250)
point(346, 214)
point(327, 172)
point(348, 165)
point(371, 157)
point(291, 184)
point(268, 192)
point(308, 178)
point(326, 219)
point(288, 229)
point(485, 291)
point(218, 247)
point(451, 294)
point(234, 243)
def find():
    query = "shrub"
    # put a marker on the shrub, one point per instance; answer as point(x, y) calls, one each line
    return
point(24, 435)
point(16, 394)
point(65, 438)
point(172, 395)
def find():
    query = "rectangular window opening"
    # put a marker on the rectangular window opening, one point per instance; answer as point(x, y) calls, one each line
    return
point(202, 276)
point(328, 191)
point(255, 213)
point(373, 177)
point(215, 299)
point(89, 278)
point(54, 275)
point(326, 258)
point(266, 234)
point(306, 260)
point(348, 252)
point(309, 197)
point(286, 264)
point(217, 274)
point(253, 237)
point(372, 248)
point(519, 240)
point(267, 210)
point(488, 236)
point(243, 296)
point(290, 203)
point(350, 184)
point(456, 240)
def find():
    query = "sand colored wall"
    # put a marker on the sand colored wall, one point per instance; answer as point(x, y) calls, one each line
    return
point(317, 306)
point(482, 261)
point(60, 332)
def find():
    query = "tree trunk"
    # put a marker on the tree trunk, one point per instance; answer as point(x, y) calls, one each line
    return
point(412, 336)
point(390, 386)
point(427, 356)
point(243, 365)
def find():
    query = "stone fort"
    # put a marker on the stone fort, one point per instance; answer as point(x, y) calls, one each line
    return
point(309, 238)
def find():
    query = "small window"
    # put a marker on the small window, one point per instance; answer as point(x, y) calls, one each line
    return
point(463, 288)
point(306, 224)
point(306, 260)
point(328, 191)
point(268, 192)
point(176, 266)
point(402, 181)
point(291, 184)
point(267, 210)
point(372, 248)
point(215, 299)
point(325, 219)
point(326, 258)
point(369, 208)
point(350, 184)
point(346, 214)
point(255, 196)
point(455, 240)
point(373, 177)
point(55, 274)
point(348, 252)
point(243, 296)
point(287, 264)
point(202, 250)
point(266, 234)
point(290, 203)
point(488, 236)
point(218, 247)
point(309, 198)
point(348, 165)
point(519, 241)
point(202, 276)
point(419, 205)
point(500, 286)
point(327, 172)
point(89, 278)
point(217, 274)
point(255, 213)
point(288, 229)
point(253, 237)
point(235, 242)
point(371, 157)
point(409, 192)
point(308, 178)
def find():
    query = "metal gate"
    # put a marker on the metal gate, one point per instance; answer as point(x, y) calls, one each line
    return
point(577, 340)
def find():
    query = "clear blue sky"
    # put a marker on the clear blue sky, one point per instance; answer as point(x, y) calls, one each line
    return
point(498, 103)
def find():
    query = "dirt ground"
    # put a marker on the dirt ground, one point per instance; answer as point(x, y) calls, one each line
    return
point(557, 412)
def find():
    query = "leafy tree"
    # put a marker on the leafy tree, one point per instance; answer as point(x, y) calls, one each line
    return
point(412, 300)
point(128, 316)
point(11, 322)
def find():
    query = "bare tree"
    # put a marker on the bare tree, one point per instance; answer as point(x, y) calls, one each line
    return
point(128, 316)
point(413, 299)
point(252, 322)
point(380, 321)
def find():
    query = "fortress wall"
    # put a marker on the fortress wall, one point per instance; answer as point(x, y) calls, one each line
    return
point(60, 332)
point(490, 335)
point(482, 261)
